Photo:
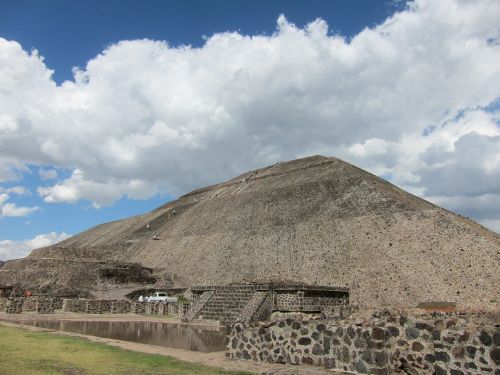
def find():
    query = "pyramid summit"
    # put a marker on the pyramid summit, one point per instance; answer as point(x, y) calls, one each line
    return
point(316, 221)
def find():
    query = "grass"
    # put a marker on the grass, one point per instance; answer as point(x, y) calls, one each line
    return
point(24, 352)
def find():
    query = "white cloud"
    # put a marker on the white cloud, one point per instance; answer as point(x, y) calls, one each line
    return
point(11, 209)
point(18, 190)
point(47, 174)
point(143, 116)
point(17, 249)
point(100, 192)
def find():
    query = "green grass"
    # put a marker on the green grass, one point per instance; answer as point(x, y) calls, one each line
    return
point(24, 352)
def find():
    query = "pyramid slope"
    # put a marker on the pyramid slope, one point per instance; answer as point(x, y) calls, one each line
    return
point(313, 220)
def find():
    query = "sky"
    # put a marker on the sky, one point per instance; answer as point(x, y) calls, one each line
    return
point(111, 108)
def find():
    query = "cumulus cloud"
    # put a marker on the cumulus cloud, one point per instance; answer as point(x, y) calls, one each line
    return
point(18, 249)
point(78, 187)
point(11, 209)
point(407, 99)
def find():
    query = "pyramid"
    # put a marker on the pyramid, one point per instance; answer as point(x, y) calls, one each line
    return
point(316, 220)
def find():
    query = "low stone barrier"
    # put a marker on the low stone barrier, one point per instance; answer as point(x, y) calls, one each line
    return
point(30, 304)
point(3, 304)
point(139, 308)
point(183, 310)
point(14, 306)
point(156, 308)
point(89, 306)
point(98, 306)
point(58, 303)
point(46, 305)
point(121, 307)
point(75, 305)
point(172, 309)
point(401, 344)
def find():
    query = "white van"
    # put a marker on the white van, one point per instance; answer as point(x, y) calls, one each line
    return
point(162, 297)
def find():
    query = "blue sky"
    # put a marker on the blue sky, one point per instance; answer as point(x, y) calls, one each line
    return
point(69, 33)
point(145, 119)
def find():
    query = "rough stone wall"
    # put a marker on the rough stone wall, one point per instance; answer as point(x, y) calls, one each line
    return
point(88, 306)
point(432, 346)
point(45, 305)
point(340, 311)
point(121, 307)
point(58, 303)
point(98, 306)
point(183, 310)
point(30, 304)
point(241, 302)
point(301, 301)
point(173, 309)
point(14, 306)
point(75, 305)
point(3, 303)
point(139, 308)
point(156, 308)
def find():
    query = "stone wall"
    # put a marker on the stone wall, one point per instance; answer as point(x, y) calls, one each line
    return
point(183, 310)
point(58, 303)
point(241, 302)
point(121, 307)
point(173, 309)
point(440, 344)
point(30, 304)
point(46, 305)
point(89, 306)
point(97, 306)
point(139, 308)
point(14, 306)
point(156, 308)
point(75, 305)
point(41, 305)
point(306, 301)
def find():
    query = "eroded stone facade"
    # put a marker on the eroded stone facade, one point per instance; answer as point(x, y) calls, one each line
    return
point(437, 344)
point(40, 305)
point(254, 302)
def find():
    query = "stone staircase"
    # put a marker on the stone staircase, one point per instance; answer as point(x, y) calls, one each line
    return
point(159, 223)
point(226, 304)
point(252, 308)
point(199, 304)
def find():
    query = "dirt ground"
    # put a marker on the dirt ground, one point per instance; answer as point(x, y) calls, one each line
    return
point(215, 359)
